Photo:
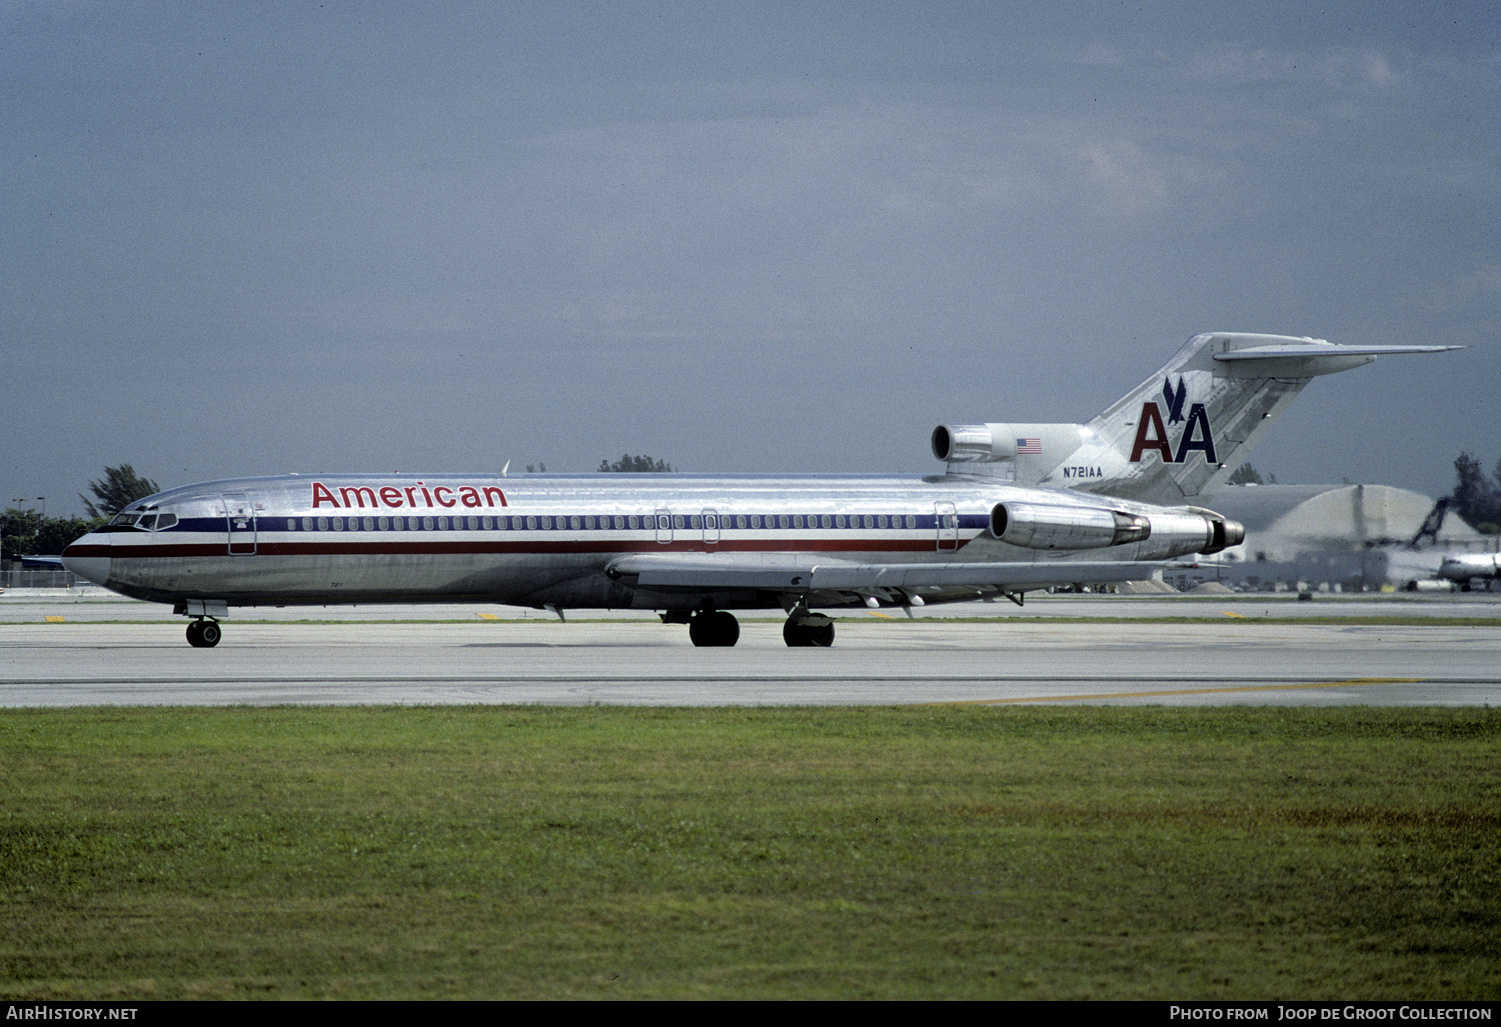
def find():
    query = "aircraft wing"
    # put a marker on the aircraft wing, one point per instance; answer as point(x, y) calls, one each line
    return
point(800, 573)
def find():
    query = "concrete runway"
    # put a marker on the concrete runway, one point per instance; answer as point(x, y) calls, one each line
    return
point(455, 655)
point(92, 603)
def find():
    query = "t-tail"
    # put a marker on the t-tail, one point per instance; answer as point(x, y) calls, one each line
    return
point(1179, 434)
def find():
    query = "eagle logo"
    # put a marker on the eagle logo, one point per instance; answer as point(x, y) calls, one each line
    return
point(1174, 399)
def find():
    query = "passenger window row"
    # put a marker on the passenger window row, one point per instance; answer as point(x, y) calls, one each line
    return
point(618, 522)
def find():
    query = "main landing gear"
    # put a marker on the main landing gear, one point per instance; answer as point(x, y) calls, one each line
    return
point(713, 628)
point(719, 628)
point(808, 630)
point(204, 633)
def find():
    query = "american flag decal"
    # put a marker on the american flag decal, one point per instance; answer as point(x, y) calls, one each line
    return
point(1029, 447)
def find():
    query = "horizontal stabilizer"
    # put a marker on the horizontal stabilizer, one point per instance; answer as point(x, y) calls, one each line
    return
point(1322, 349)
point(1184, 430)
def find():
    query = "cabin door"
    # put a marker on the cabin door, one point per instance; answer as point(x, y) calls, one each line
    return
point(239, 516)
point(946, 519)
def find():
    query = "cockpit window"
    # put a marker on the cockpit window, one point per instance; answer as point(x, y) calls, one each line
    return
point(151, 520)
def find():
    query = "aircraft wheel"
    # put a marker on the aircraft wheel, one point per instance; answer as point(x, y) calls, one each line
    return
point(813, 631)
point(728, 630)
point(714, 628)
point(204, 634)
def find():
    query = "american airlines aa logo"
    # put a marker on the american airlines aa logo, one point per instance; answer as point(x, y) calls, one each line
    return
point(1151, 433)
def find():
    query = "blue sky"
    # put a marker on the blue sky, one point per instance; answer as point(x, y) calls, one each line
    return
point(257, 238)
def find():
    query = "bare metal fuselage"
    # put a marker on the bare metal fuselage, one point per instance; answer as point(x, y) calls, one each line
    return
point(545, 540)
point(1022, 506)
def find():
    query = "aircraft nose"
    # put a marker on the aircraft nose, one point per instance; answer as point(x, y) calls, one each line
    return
point(88, 557)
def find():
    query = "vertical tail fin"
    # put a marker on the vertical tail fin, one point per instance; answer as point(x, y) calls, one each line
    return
point(1180, 433)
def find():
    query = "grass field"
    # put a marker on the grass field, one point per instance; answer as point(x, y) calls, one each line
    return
point(750, 853)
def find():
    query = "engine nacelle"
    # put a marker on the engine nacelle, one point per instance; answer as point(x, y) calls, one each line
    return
point(1171, 532)
point(1039, 526)
point(1223, 532)
point(971, 443)
point(1191, 530)
point(991, 443)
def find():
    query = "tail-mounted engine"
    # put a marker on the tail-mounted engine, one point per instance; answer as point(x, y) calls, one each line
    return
point(1035, 526)
point(1223, 533)
point(1172, 532)
point(1001, 443)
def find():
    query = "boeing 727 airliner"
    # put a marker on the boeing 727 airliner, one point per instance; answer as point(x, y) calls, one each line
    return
point(1018, 507)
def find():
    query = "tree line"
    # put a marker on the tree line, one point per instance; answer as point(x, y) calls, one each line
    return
point(1477, 495)
point(28, 533)
point(643, 464)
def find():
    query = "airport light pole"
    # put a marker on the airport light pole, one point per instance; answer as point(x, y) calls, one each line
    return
point(5, 519)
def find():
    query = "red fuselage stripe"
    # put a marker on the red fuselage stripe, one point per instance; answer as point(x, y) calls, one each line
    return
point(487, 547)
